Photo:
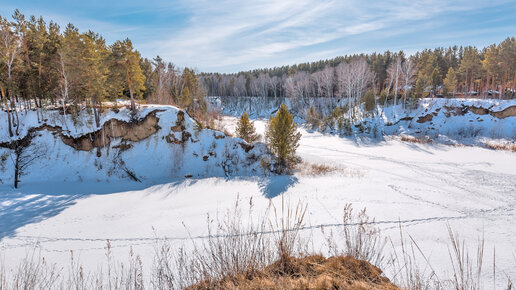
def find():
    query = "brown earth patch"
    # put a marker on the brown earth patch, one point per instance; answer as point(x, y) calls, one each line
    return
point(425, 118)
point(507, 112)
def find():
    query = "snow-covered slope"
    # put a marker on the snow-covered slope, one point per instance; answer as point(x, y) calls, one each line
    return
point(465, 120)
point(159, 145)
point(454, 118)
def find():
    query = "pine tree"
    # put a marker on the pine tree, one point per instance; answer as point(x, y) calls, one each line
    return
point(245, 129)
point(282, 137)
point(450, 82)
point(126, 72)
point(435, 79)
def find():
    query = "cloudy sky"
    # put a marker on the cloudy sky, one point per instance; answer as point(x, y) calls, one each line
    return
point(229, 36)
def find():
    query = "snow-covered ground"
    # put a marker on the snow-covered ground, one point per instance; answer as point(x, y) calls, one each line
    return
point(423, 187)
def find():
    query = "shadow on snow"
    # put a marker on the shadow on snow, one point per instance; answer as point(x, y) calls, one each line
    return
point(35, 202)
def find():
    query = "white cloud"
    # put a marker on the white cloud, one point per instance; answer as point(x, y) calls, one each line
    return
point(225, 34)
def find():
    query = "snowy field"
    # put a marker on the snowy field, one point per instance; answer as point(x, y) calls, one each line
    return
point(423, 187)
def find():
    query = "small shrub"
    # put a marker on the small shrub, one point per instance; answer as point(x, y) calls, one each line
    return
point(369, 101)
point(245, 129)
point(313, 118)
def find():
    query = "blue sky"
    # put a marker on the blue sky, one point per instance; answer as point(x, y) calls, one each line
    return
point(229, 36)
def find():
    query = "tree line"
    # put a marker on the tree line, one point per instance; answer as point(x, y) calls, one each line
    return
point(453, 71)
point(40, 64)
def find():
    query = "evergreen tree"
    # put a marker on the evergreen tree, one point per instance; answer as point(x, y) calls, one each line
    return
point(245, 129)
point(450, 82)
point(436, 80)
point(126, 71)
point(282, 137)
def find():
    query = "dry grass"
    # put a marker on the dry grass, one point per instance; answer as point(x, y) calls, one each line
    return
point(417, 140)
point(467, 268)
point(311, 272)
point(358, 237)
point(312, 169)
point(508, 146)
point(305, 168)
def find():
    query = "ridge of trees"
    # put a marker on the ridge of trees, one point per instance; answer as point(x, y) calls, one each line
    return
point(473, 72)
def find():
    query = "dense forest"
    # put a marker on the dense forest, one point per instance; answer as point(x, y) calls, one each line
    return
point(42, 64)
point(464, 71)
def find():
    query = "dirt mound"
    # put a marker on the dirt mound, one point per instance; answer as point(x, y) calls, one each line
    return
point(313, 272)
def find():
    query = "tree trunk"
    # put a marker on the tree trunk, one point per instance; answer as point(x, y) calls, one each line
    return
point(95, 112)
point(8, 113)
point(133, 107)
point(17, 167)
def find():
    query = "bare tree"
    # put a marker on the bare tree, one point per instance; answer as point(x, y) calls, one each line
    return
point(393, 72)
point(353, 80)
point(24, 154)
point(408, 74)
point(9, 47)
point(239, 88)
point(273, 85)
point(317, 79)
point(327, 75)
point(297, 85)
point(392, 77)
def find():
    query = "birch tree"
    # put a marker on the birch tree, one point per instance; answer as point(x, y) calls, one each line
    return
point(9, 49)
point(408, 74)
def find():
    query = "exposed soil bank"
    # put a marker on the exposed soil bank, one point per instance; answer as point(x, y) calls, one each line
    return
point(129, 131)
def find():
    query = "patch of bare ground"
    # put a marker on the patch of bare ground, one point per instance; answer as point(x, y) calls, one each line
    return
point(311, 272)
point(417, 140)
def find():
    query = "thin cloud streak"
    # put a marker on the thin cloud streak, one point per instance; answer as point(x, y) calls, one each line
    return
point(235, 33)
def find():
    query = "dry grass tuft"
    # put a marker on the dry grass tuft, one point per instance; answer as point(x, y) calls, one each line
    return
point(501, 146)
point(305, 168)
point(311, 272)
point(417, 140)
